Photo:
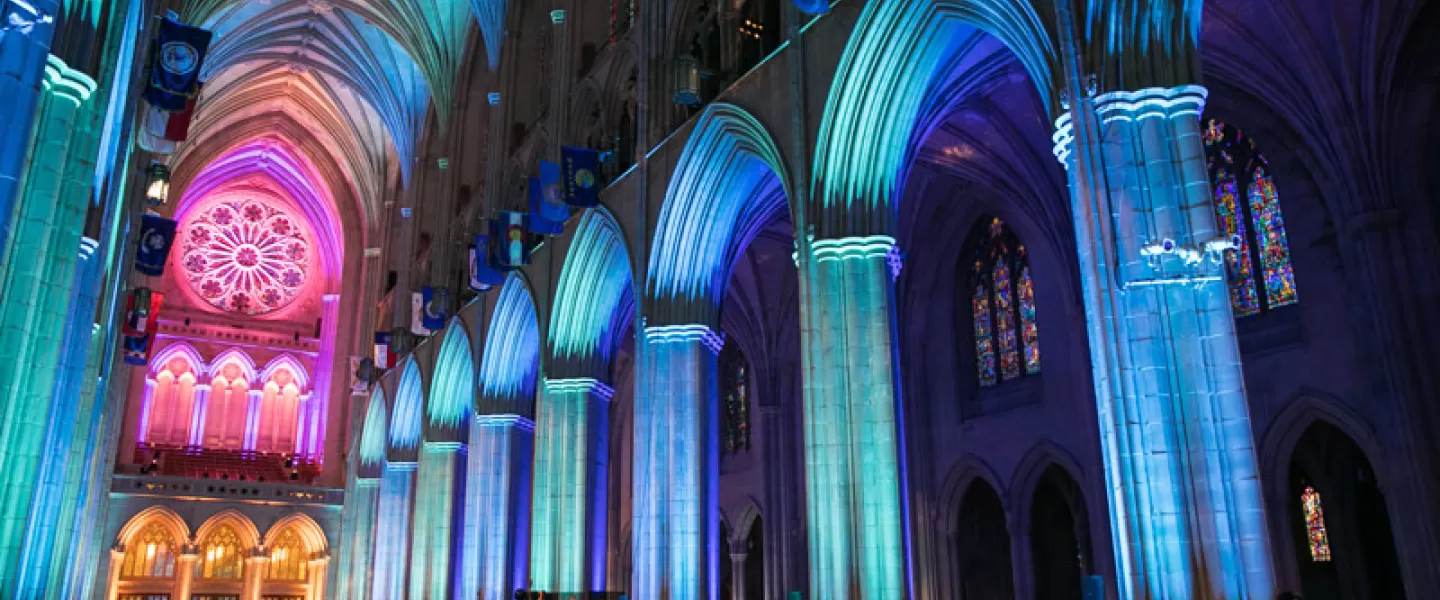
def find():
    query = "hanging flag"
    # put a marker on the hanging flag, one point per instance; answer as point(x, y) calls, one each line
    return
point(417, 314)
point(553, 193)
point(157, 233)
point(482, 273)
point(384, 359)
point(161, 129)
point(176, 57)
point(437, 307)
point(538, 222)
point(137, 349)
point(142, 311)
point(510, 246)
point(582, 180)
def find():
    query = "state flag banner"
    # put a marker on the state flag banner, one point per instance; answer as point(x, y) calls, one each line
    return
point(582, 176)
point(510, 246)
point(437, 307)
point(137, 349)
point(157, 234)
point(539, 223)
point(142, 311)
point(176, 58)
point(552, 190)
point(417, 314)
point(483, 274)
point(384, 359)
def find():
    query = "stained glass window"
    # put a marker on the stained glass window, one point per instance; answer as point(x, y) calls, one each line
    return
point(220, 555)
point(734, 390)
point(246, 257)
point(288, 558)
point(150, 554)
point(1002, 305)
point(1247, 208)
point(1315, 525)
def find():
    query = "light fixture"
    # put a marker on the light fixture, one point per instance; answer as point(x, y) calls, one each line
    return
point(159, 189)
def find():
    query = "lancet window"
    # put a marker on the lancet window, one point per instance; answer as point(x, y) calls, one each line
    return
point(735, 399)
point(1247, 208)
point(1002, 305)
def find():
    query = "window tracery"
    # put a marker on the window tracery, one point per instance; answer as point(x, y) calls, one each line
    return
point(150, 555)
point(1002, 305)
point(1247, 207)
point(288, 559)
point(246, 257)
point(221, 556)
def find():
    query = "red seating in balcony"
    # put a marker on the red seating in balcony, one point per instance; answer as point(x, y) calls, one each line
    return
point(225, 465)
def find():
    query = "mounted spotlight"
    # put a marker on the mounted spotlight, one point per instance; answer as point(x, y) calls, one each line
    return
point(158, 192)
point(687, 81)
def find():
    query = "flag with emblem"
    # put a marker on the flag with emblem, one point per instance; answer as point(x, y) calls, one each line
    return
point(582, 176)
point(176, 57)
point(142, 311)
point(137, 349)
point(384, 359)
point(157, 233)
point(437, 307)
point(162, 129)
point(483, 273)
point(539, 223)
point(509, 240)
point(552, 190)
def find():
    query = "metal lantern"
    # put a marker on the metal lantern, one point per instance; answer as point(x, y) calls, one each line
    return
point(159, 189)
point(687, 80)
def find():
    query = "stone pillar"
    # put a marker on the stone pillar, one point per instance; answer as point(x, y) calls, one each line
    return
point(185, 571)
point(254, 574)
point(392, 531)
point(22, 82)
point(567, 535)
point(37, 265)
point(112, 576)
point(319, 569)
point(562, 74)
point(251, 435)
point(357, 554)
point(320, 393)
point(1184, 496)
point(853, 469)
point(196, 437)
point(497, 510)
point(784, 562)
point(675, 501)
point(147, 403)
point(440, 479)
point(737, 568)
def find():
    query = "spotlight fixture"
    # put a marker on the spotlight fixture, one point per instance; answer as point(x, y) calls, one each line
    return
point(159, 189)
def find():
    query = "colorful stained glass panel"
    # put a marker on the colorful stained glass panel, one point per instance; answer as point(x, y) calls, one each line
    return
point(1273, 248)
point(1005, 321)
point(984, 348)
point(1030, 334)
point(1315, 525)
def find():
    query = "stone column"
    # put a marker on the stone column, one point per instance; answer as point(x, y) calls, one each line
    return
point(22, 83)
point(196, 436)
point(320, 393)
point(738, 555)
point(37, 266)
point(147, 403)
point(357, 555)
point(112, 576)
point(440, 478)
point(254, 574)
point(319, 569)
point(567, 535)
point(497, 511)
point(252, 417)
point(185, 571)
point(1184, 497)
point(562, 75)
point(392, 531)
point(853, 469)
point(675, 501)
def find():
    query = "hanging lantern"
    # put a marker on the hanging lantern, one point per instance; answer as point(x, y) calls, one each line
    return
point(687, 80)
point(159, 189)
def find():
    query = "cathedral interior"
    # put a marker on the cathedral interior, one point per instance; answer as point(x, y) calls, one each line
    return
point(719, 299)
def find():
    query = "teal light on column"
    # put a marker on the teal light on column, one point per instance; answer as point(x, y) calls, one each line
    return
point(439, 510)
point(405, 426)
point(1185, 506)
point(392, 532)
point(852, 470)
point(593, 286)
point(452, 393)
point(373, 434)
point(511, 359)
point(498, 507)
point(567, 535)
point(675, 499)
point(354, 575)
point(35, 292)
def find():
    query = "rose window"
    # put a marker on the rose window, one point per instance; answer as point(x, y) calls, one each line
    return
point(245, 257)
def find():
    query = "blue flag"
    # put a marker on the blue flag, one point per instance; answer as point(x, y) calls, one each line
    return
point(482, 273)
point(137, 349)
point(510, 246)
point(582, 176)
point(539, 223)
point(175, 61)
point(437, 307)
point(554, 207)
point(157, 233)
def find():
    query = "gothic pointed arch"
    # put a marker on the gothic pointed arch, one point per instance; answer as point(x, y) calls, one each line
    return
point(161, 515)
point(406, 424)
point(237, 358)
point(290, 363)
point(594, 299)
point(310, 532)
point(182, 350)
point(374, 435)
point(511, 360)
point(729, 182)
point(249, 536)
point(452, 388)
